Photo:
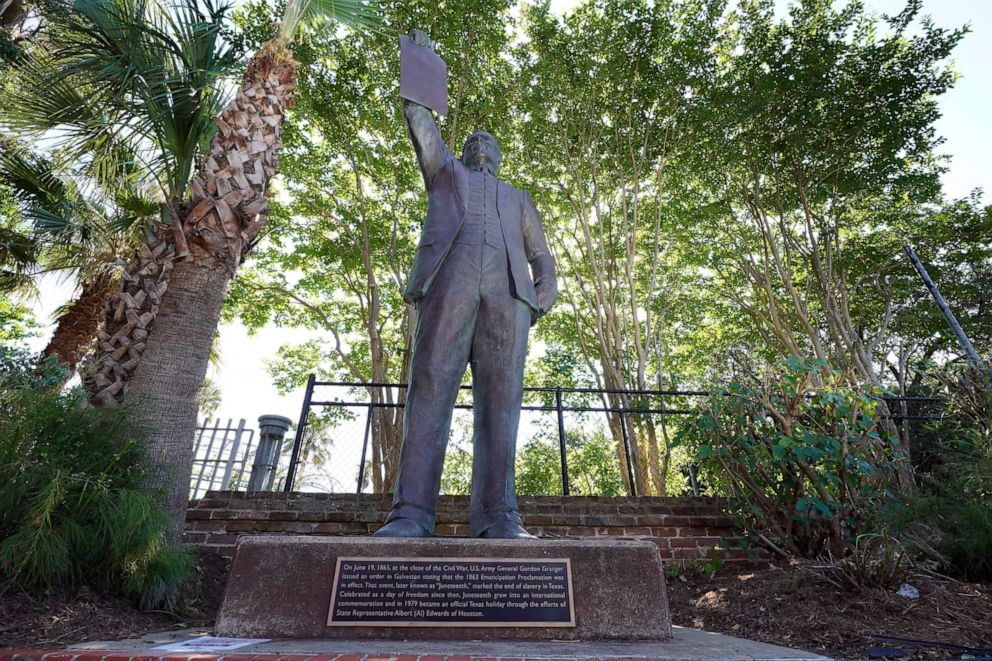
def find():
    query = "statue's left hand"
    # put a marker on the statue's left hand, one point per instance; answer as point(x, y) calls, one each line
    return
point(547, 294)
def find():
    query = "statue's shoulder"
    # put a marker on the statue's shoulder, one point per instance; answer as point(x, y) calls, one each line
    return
point(513, 190)
point(449, 167)
point(525, 197)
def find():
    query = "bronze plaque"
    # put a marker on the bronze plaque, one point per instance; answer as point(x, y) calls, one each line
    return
point(423, 76)
point(452, 592)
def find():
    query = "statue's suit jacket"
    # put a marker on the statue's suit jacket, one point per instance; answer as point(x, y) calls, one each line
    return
point(446, 179)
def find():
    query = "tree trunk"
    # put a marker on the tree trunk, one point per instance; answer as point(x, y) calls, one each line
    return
point(659, 477)
point(227, 209)
point(78, 326)
point(226, 212)
point(393, 438)
point(613, 419)
point(127, 320)
point(165, 385)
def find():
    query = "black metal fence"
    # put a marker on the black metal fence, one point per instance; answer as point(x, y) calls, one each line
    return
point(555, 400)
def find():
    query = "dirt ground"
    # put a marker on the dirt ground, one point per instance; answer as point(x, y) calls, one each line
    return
point(58, 620)
point(790, 605)
point(780, 604)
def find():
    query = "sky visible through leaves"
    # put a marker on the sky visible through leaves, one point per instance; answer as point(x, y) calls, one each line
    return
point(242, 378)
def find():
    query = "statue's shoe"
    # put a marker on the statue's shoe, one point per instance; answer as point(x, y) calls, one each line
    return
point(402, 528)
point(506, 530)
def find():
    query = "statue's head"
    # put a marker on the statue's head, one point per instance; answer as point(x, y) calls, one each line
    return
point(481, 152)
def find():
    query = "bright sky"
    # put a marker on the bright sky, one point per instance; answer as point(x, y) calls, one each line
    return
point(246, 388)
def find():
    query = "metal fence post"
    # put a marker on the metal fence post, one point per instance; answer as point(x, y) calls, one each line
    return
point(206, 456)
point(561, 442)
point(365, 446)
point(301, 428)
point(232, 457)
point(626, 451)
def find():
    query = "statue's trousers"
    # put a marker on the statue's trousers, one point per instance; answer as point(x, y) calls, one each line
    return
point(467, 316)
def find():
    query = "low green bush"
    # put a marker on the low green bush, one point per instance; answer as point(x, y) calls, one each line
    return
point(801, 455)
point(72, 512)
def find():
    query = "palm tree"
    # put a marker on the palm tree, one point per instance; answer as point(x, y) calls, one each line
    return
point(226, 210)
point(130, 90)
point(145, 75)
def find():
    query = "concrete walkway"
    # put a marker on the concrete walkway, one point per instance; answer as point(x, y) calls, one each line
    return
point(686, 644)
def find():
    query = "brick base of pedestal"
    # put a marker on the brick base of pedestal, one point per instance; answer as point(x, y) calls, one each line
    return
point(280, 587)
point(685, 530)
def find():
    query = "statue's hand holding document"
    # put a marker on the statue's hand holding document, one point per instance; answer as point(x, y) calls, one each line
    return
point(423, 74)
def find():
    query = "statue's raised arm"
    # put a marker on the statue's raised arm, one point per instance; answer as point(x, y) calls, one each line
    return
point(427, 142)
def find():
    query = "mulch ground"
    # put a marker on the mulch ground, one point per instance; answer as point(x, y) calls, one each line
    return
point(57, 620)
point(792, 606)
point(785, 605)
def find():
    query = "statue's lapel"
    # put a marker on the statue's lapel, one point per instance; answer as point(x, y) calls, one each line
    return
point(504, 201)
point(459, 175)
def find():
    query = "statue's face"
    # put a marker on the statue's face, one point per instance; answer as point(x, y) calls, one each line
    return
point(481, 151)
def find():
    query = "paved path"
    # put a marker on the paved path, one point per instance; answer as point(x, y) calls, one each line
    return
point(686, 644)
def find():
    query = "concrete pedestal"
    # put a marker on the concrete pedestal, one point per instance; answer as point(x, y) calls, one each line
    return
point(280, 587)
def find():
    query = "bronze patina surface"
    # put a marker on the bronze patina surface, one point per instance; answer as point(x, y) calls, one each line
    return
point(423, 76)
point(482, 275)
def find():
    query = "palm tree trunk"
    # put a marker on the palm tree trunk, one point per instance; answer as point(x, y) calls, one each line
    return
point(227, 207)
point(127, 321)
point(226, 210)
point(78, 326)
point(166, 383)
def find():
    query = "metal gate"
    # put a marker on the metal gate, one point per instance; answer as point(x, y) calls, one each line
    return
point(220, 457)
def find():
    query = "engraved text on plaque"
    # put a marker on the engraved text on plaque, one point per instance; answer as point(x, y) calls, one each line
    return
point(452, 592)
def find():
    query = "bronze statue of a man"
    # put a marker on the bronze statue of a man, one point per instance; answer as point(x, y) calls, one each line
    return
point(476, 300)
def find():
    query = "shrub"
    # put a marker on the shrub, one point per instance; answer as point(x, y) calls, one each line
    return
point(875, 560)
point(955, 497)
point(71, 509)
point(806, 465)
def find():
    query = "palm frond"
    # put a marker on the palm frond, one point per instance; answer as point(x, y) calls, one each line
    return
point(31, 180)
point(48, 197)
point(50, 224)
point(12, 280)
point(18, 256)
point(16, 248)
point(133, 202)
point(129, 85)
point(320, 14)
point(72, 227)
point(72, 117)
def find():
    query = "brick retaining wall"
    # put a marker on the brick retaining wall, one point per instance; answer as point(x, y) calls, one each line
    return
point(683, 528)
